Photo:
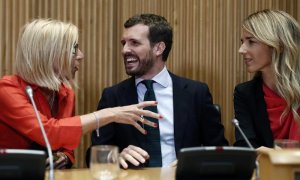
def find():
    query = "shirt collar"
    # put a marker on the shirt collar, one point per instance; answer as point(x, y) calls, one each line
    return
point(163, 78)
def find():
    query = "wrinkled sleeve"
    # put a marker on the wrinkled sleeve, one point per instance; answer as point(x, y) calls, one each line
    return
point(16, 111)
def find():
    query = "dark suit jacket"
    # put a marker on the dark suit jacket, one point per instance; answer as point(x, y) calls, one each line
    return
point(196, 121)
point(250, 111)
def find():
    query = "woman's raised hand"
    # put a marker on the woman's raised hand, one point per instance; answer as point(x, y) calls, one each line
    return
point(132, 114)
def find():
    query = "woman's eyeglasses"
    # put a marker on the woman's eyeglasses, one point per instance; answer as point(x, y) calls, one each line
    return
point(76, 46)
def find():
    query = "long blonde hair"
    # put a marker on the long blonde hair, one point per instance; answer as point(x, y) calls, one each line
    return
point(281, 32)
point(44, 53)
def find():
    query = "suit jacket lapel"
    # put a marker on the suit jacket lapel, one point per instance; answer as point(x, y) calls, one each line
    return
point(129, 96)
point(179, 108)
point(262, 119)
point(128, 92)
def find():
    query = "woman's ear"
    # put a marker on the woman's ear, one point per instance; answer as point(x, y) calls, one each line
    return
point(159, 48)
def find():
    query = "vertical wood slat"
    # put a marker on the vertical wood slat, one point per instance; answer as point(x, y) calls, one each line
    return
point(206, 42)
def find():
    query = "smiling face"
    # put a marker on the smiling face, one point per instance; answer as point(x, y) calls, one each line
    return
point(139, 59)
point(256, 54)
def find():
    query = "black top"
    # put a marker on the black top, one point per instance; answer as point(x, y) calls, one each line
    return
point(250, 111)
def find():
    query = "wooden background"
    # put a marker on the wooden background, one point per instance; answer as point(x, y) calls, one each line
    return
point(206, 42)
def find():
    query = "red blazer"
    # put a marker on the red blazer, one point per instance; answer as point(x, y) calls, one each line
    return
point(19, 127)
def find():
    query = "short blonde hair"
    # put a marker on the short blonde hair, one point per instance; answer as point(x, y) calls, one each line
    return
point(44, 53)
point(280, 31)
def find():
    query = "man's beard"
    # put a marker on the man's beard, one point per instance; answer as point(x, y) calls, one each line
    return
point(143, 67)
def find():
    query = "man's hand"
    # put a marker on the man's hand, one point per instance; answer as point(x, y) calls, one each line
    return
point(60, 161)
point(134, 155)
point(173, 164)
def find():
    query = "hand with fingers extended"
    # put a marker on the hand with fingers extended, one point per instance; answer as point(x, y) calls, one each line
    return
point(60, 161)
point(133, 114)
point(133, 155)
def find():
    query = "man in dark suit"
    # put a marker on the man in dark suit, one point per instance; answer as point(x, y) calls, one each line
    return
point(189, 118)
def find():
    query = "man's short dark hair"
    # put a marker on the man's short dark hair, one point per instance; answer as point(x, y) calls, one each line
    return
point(159, 30)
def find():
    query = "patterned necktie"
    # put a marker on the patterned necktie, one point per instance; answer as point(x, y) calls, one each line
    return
point(152, 144)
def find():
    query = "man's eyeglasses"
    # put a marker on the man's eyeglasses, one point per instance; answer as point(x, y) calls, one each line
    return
point(76, 46)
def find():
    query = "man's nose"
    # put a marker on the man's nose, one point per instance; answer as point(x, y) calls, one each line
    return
point(126, 49)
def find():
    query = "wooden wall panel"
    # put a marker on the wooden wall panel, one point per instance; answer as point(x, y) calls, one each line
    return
point(206, 42)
